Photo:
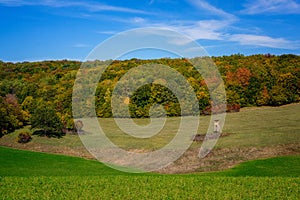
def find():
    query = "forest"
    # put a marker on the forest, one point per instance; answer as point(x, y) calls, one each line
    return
point(40, 93)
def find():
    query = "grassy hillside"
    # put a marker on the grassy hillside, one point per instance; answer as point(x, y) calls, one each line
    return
point(253, 133)
point(28, 164)
point(255, 127)
point(283, 166)
point(22, 163)
point(32, 175)
point(252, 127)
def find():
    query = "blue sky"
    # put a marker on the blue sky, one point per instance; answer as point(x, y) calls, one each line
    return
point(53, 29)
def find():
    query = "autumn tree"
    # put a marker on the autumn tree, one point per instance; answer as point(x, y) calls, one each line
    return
point(45, 119)
point(11, 114)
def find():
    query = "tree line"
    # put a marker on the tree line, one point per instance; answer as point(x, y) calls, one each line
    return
point(40, 93)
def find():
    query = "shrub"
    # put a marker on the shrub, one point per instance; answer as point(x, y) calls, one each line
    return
point(24, 137)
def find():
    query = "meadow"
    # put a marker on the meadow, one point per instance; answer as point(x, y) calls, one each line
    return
point(267, 136)
point(253, 133)
point(253, 126)
point(33, 175)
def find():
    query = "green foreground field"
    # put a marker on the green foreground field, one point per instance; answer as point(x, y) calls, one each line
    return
point(253, 134)
point(33, 175)
point(149, 187)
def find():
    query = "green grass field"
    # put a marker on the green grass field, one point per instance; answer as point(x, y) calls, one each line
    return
point(27, 164)
point(252, 127)
point(283, 166)
point(32, 175)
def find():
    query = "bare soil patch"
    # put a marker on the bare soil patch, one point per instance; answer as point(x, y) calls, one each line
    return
point(189, 162)
point(225, 158)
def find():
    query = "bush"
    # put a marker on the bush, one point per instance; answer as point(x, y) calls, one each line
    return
point(24, 137)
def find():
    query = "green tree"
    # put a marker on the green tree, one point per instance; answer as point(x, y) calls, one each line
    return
point(45, 118)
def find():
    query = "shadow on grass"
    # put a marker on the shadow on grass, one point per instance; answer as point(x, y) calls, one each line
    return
point(49, 134)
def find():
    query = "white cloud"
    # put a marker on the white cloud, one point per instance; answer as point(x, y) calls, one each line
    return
point(87, 5)
point(80, 45)
point(106, 32)
point(205, 29)
point(272, 6)
point(264, 41)
point(13, 2)
point(214, 30)
point(196, 30)
point(203, 5)
point(138, 20)
point(218, 29)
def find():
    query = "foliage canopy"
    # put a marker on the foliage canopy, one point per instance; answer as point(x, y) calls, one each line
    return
point(254, 80)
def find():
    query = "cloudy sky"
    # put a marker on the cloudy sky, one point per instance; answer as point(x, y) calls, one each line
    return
point(52, 29)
